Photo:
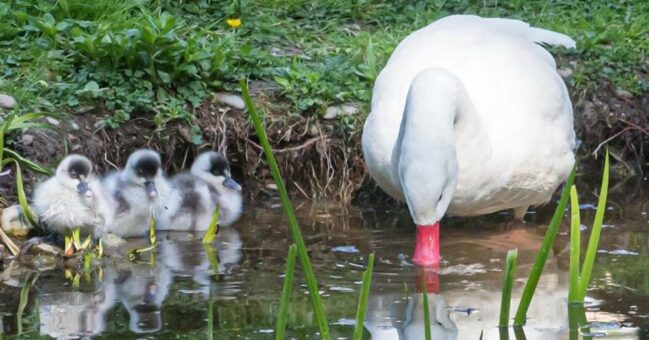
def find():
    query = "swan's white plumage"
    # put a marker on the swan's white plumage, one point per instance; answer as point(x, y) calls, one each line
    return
point(509, 123)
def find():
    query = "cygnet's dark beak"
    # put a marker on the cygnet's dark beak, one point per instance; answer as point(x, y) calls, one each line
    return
point(150, 294)
point(151, 191)
point(83, 189)
point(231, 184)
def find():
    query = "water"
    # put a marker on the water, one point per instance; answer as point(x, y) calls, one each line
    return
point(171, 296)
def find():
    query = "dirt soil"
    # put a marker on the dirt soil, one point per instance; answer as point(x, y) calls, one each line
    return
point(317, 157)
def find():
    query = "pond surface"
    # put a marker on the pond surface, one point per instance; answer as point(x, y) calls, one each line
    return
point(174, 295)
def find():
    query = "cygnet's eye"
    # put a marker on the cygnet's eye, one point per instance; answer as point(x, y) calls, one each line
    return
point(74, 175)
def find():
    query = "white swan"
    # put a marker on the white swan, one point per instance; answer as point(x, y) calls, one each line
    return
point(137, 193)
point(73, 198)
point(469, 117)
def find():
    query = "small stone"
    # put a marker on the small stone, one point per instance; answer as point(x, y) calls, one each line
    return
point(344, 109)
point(27, 139)
point(112, 241)
point(52, 121)
point(565, 72)
point(7, 102)
point(14, 221)
point(623, 94)
point(230, 99)
point(74, 126)
point(271, 186)
point(46, 249)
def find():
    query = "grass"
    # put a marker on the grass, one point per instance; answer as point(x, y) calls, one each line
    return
point(212, 230)
point(508, 281)
point(575, 241)
point(427, 334)
point(362, 299)
point(165, 58)
point(280, 326)
point(287, 205)
point(542, 255)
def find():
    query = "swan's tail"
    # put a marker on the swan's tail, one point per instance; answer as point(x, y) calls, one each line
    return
point(541, 36)
point(537, 35)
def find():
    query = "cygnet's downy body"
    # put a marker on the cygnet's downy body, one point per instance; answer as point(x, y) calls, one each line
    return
point(137, 193)
point(196, 195)
point(73, 198)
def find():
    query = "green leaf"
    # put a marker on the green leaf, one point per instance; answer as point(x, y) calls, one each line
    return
point(508, 282)
point(287, 287)
point(362, 299)
point(593, 242)
point(575, 242)
point(212, 230)
point(307, 267)
point(542, 255)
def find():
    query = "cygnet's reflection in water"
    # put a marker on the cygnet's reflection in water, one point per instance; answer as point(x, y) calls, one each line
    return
point(141, 287)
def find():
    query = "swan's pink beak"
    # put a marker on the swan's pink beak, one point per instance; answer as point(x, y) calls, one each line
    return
point(427, 246)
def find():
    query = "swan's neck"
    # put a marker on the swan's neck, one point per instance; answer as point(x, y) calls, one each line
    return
point(439, 125)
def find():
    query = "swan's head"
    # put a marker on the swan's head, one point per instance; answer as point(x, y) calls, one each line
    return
point(74, 172)
point(142, 169)
point(214, 168)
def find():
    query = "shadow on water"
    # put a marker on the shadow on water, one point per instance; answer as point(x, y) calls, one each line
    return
point(240, 279)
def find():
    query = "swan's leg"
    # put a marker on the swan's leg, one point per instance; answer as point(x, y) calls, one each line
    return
point(519, 214)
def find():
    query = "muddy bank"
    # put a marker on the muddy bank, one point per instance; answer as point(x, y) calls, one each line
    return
point(318, 157)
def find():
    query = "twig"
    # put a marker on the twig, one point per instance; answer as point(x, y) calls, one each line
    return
point(609, 139)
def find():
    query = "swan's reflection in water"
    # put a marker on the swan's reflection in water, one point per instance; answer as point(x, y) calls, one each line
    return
point(139, 287)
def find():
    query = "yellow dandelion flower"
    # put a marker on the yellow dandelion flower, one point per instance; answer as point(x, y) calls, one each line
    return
point(233, 22)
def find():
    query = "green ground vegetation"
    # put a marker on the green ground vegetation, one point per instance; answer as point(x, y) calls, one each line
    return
point(134, 57)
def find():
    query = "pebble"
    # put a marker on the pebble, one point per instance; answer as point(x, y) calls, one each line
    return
point(565, 72)
point(623, 94)
point(230, 99)
point(14, 222)
point(344, 109)
point(7, 102)
point(27, 139)
point(53, 121)
point(112, 241)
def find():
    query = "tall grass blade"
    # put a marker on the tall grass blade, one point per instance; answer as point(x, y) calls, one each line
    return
point(362, 299)
point(13, 248)
point(542, 256)
point(3, 130)
point(427, 334)
point(519, 333)
point(210, 319)
point(280, 326)
point(153, 238)
point(28, 163)
point(311, 282)
point(575, 245)
point(593, 242)
point(212, 230)
point(508, 283)
point(22, 198)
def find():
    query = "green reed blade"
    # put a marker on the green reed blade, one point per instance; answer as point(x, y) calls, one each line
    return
point(519, 333)
point(212, 230)
point(210, 319)
point(3, 130)
point(593, 242)
point(425, 306)
point(544, 251)
point(362, 299)
point(311, 281)
point(508, 283)
point(24, 298)
point(28, 163)
point(153, 238)
point(280, 326)
point(575, 245)
point(22, 198)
